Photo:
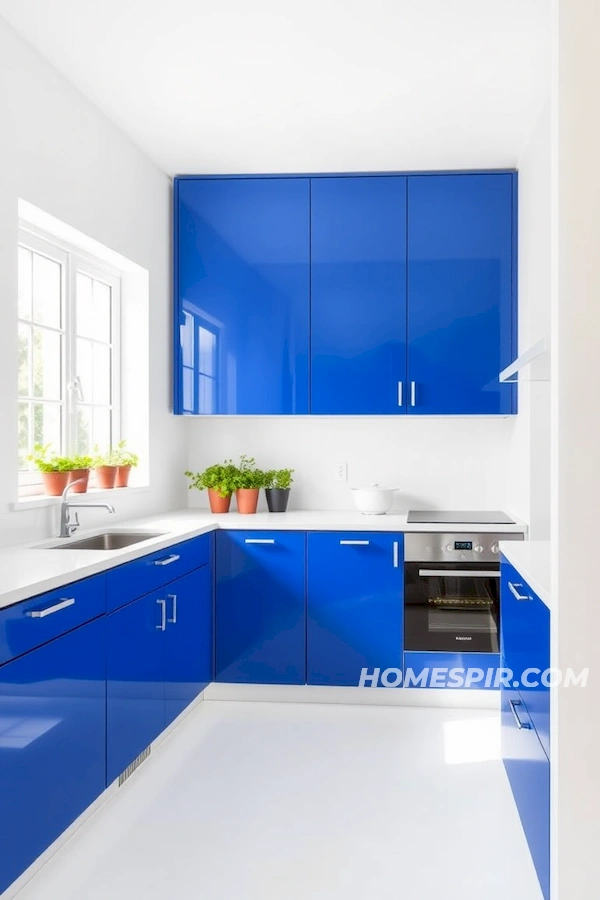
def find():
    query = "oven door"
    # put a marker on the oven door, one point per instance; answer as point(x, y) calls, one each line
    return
point(450, 607)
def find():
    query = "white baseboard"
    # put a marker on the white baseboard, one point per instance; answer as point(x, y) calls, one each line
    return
point(379, 696)
point(12, 892)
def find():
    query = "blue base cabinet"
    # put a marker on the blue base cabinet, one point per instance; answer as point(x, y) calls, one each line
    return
point(525, 636)
point(52, 741)
point(528, 770)
point(260, 616)
point(189, 640)
point(355, 605)
point(159, 659)
point(135, 682)
point(452, 670)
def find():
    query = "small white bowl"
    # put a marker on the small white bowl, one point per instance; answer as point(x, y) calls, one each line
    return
point(373, 500)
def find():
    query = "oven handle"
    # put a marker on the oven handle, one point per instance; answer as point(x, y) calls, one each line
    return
point(463, 573)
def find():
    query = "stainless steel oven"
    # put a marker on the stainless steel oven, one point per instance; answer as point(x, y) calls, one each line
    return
point(452, 591)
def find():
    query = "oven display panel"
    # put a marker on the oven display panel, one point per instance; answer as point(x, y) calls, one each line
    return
point(463, 545)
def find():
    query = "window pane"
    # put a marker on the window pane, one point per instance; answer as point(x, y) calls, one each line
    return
point(25, 264)
point(101, 427)
point(24, 360)
point(46, 425)
point(46, 364)
point(46, 291)
point(24, 442)
point(102, 294)
point(93, 368)
point(208, 347)
point(84, 431)
point(85, 314)
point(93, 308)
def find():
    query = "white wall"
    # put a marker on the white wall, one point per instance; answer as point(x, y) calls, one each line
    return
point(576, 450)
point(454, 463)
point(530, 446)
point(61, 154)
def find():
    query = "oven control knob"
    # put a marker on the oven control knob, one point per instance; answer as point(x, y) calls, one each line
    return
point(495, 547)
point(449, 548)
point(478, 548)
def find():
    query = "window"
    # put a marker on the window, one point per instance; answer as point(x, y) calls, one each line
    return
point(69, 351)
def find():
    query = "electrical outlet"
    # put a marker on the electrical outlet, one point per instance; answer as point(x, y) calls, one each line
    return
point(341, 471)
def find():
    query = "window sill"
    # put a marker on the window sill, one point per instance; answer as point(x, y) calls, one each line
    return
point(36, 501)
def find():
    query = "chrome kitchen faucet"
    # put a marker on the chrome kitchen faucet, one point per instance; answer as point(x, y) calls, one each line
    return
point(68, 527)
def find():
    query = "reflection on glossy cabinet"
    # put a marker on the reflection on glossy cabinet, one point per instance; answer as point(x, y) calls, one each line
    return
point(355, 605)
point(461, 293)
point(358, 295)
point(52, 743)
point(260, 616)
point(241, 295)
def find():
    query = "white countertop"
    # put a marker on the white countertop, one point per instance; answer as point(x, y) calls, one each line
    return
point(532, 561)
point(29, 570)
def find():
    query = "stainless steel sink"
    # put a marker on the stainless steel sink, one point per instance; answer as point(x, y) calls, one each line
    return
point(110, 540)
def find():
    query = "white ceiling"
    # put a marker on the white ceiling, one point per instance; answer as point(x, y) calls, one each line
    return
point(321, 85)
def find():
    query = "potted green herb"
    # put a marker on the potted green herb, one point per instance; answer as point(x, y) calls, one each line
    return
point(55, 469)
point(80, 473)
point(248, 482)
point(220, 482)
point(124, 460)
point(106, 471)
point(277, 489)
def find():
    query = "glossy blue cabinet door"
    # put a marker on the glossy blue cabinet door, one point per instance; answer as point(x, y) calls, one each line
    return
point(525, 636)
point(528, 771)
point(189, 640)
point(241, 295)
point(135, 686)
point(52, 743)
point(260, 617)
point(355, 605)
point(358, 295)
point(461, 310)
point(452, 668)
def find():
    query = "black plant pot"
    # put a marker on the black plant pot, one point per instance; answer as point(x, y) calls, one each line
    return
point(277, 499)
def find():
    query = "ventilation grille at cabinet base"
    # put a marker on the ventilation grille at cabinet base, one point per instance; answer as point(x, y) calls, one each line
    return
point(134, 765)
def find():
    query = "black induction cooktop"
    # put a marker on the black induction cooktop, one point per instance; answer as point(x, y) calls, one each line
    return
point(441, 517)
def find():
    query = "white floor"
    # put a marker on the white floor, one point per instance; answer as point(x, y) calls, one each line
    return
point(270, 801)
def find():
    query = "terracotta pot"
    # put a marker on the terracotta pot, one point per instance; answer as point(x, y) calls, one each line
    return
point(55, 482)
point(106, 476)
point(218, 504)
point(122, 479)
point(247, 500)
point(81, 475)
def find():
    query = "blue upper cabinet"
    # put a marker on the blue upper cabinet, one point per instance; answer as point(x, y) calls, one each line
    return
point(461, 283)
point(358, 295)
point(241, 295)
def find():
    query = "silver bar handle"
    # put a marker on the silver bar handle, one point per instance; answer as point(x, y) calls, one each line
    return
point(259, 541)
point(167, 560)
point(513, 704)
point(173, 619)
point(355, 543)
point(463, 573)
point(163, 615)
point(400, 394)
point(513, 589)
point(396, 554)
point(42, 613)
point(413, 393)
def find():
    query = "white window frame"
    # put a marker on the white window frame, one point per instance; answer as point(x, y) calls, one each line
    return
point(74, 261)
